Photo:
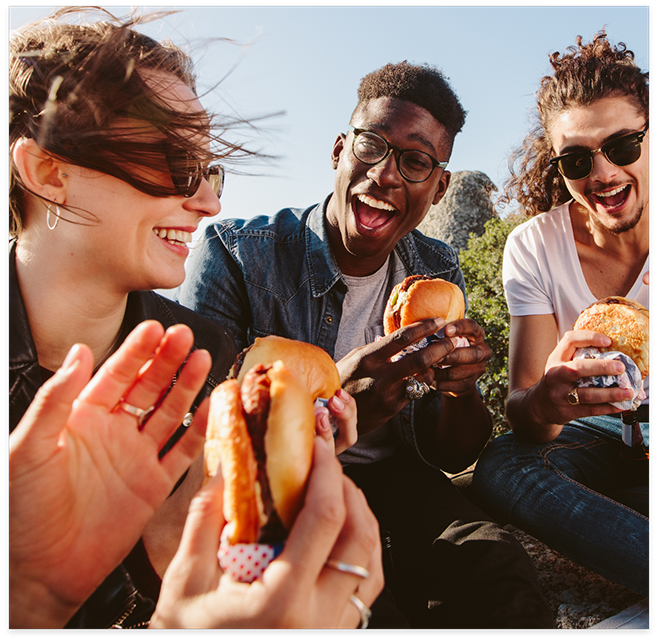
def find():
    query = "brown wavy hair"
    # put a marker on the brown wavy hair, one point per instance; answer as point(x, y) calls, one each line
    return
point(71, 84)
point(584, 74)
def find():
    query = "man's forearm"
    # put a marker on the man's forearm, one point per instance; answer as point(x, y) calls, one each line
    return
point(526, 418)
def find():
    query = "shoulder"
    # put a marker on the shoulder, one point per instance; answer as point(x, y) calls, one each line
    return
point(285, 224)
point(436, 254)
point(544, 227)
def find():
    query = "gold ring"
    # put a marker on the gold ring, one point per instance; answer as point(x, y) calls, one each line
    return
point(364, 611)
point(356, 570)
point(572, 396)
point(141, 415)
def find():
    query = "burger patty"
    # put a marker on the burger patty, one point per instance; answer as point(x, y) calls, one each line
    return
point(255, 393)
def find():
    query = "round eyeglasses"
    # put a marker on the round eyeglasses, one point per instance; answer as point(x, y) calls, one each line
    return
point(187, 175)
point(621, 151)
point(414, 165)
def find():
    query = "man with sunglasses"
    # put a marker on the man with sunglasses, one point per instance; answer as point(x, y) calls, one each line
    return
point(565, 474)
point(323, 275)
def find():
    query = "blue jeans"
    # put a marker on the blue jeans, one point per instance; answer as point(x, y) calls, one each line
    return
point(578, 494)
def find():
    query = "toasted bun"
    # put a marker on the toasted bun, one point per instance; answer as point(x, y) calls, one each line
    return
point(228, 445)
point(288, 452)
point(626, 322)
point(288, 441)
point(417, 298)
point(312, 364)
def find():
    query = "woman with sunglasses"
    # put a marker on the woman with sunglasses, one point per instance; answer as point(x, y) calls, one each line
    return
point(113, 165)
point(566, 473)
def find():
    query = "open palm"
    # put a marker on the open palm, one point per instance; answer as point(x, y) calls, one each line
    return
point(84, 478)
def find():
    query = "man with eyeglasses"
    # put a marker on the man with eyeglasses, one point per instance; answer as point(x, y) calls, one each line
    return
point(323, 275)
point(566, 474)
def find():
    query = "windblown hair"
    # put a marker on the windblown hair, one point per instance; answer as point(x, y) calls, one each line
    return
point(583, 75)
point(79, 91)
point(423, 85)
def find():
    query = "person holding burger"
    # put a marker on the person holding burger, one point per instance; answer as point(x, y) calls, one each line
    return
point(324, 275)
point(565, 473)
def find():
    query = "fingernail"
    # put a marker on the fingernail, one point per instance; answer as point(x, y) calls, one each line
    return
point(344, 396)
point(338, 404)
point(72, 358)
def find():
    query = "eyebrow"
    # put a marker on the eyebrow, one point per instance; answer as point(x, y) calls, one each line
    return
point(614, 136)
point(385, 128)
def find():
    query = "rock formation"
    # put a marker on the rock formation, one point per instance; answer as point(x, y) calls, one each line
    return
point(463, 210)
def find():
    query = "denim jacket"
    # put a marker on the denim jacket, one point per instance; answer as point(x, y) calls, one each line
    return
point(278, 275)
point(117, 601)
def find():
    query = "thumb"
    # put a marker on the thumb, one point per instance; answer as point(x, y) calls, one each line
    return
point(195, 569)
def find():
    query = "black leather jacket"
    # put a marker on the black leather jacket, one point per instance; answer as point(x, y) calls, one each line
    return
point(117, 602)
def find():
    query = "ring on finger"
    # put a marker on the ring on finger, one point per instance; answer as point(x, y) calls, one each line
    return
point(414, 389)
point(572, 396)
point(141, 415)
point(364, 611)
point(356, 570)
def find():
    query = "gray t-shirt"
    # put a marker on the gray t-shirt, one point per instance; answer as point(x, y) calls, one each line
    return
point(361, 323)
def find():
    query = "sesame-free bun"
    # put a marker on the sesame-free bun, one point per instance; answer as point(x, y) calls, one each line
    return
point(311, 363)
point(626, 322)
point(288, 443)
point(420, 297)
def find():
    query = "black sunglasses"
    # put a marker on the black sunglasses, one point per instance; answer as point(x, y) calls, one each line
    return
point(621, 151)
point(187, 175)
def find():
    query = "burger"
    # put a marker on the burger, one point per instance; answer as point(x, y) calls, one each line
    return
point(260, 432)
point(312, 364)
point(625, 322)
point(419, 297)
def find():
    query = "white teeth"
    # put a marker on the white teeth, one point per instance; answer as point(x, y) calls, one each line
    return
point(174, 235)
point(377, 204)
point(612, 192)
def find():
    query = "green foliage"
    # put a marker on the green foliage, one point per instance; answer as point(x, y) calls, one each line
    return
point(482, 264)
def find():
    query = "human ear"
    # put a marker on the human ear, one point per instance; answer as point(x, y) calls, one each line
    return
point(41, 173)
point(338, 147)
point(442, 187)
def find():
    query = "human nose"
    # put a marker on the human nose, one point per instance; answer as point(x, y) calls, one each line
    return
point(386, 172)
point(205, 201)
point(602, 168)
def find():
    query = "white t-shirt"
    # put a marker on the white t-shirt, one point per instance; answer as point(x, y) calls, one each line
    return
point(542, 273)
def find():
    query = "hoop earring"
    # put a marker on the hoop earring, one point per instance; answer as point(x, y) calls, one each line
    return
point(51, 227)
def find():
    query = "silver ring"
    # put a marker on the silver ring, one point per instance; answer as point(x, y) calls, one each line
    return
point(364, 611)
point(187, 419)
point(572, 397)
point(356, 570)
point(141, 415)
point(415, 389)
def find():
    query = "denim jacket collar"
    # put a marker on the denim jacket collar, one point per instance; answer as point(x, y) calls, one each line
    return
point(324, 271)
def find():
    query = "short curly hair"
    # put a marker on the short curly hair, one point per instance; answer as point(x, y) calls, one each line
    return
point(584, 74)
point(423, 85)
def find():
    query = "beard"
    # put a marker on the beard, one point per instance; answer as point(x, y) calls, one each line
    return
point(622, 226)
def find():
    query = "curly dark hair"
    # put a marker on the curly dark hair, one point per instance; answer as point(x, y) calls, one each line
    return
point(423, 85)
point(73, 88)
point(584, 74)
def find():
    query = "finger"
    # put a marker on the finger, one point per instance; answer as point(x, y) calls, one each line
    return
point(51, 407)
point(355, 544)
point(119, 372)
point(395, 342)
point(319, 522)
point(572, 340)
point(156, 376)
point(343, 407)
point(171, 411)
point(195, 565)
point(189, 446)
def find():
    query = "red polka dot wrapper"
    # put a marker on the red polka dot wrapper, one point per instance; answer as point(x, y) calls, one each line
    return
point(246, 562)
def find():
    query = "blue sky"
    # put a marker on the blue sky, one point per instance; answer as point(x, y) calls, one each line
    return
point(308, 61)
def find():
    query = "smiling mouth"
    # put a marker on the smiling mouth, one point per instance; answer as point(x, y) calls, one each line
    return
point(372, 213)
point(612, 198)
point(174, 236)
